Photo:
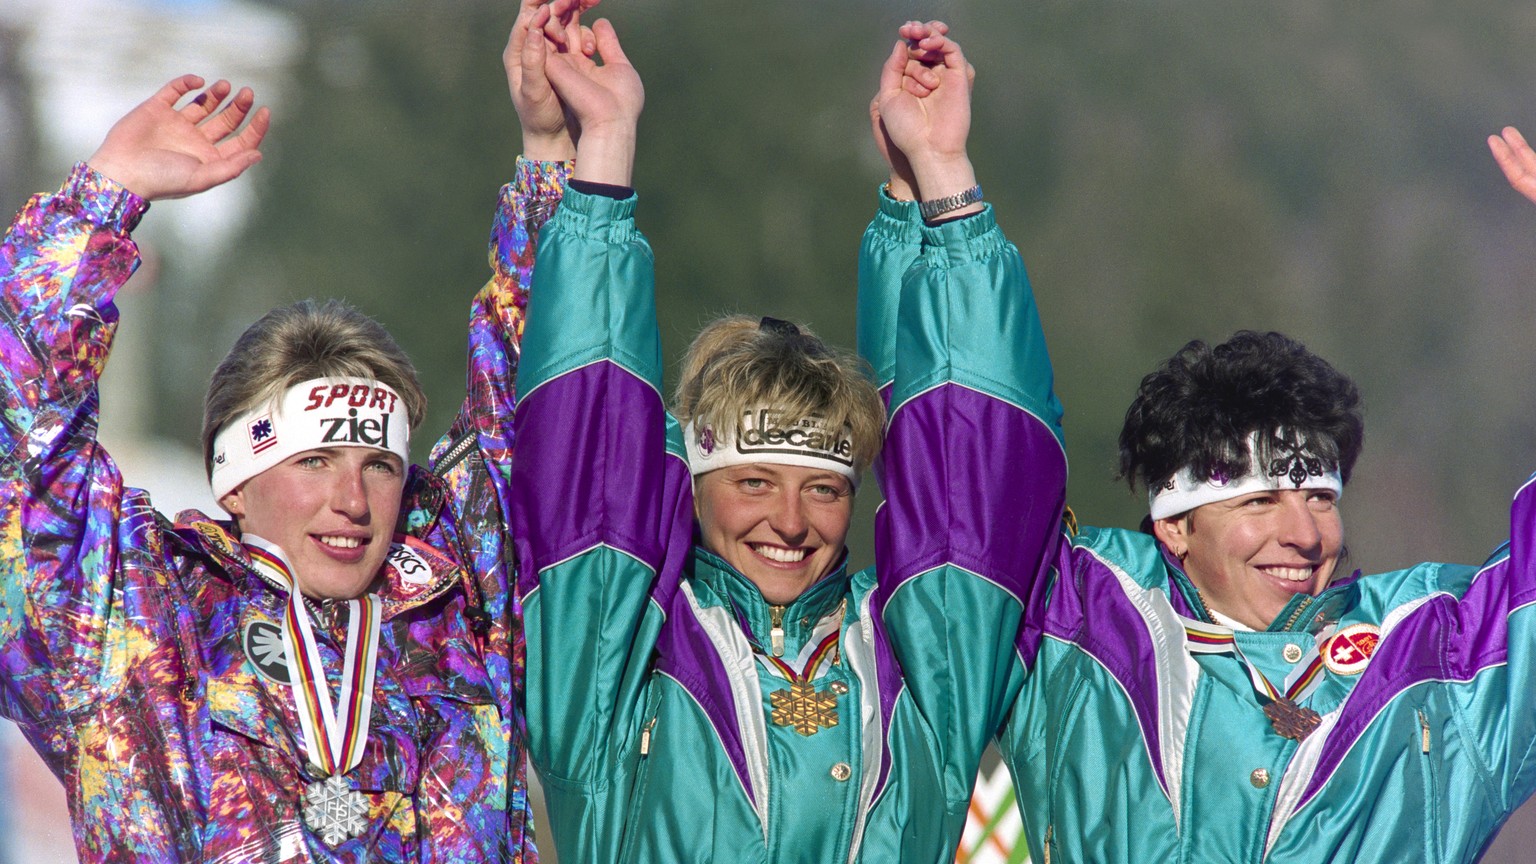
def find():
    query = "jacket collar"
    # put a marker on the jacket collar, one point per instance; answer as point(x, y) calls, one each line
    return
point(753, 611)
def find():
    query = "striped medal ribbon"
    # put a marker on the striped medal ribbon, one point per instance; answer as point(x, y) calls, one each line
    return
point(335, 731)
point(1281, 704)
point(827, 647)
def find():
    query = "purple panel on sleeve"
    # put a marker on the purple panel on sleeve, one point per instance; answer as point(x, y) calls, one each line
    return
point(588, 441)
point(1117, 637)
point(972, 481)
point(1442, 640)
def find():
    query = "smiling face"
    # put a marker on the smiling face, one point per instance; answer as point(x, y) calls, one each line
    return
point(782, 526)
point(333, 512)
point(1250, 555)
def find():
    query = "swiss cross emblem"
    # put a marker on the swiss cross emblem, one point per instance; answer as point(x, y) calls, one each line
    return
point(1351, 648)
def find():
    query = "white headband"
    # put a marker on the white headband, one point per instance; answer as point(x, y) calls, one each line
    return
point(314, 415)
point(763, 437)
point(1289, 467)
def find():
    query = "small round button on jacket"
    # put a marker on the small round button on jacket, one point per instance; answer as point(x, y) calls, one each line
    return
point(1259, 778)
point(841, 772)
point(1291, 652)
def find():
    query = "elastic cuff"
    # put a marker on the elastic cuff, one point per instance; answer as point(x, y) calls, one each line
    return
point(588, 215)
point(963, 240)
point(897, 221)
point(103, 199)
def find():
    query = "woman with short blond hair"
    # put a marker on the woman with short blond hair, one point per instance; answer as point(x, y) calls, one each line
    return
point(706, 679)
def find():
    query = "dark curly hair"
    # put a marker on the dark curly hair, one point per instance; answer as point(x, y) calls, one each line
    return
point(1199, 407)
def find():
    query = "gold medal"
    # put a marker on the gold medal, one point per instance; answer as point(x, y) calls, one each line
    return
point(804, 707)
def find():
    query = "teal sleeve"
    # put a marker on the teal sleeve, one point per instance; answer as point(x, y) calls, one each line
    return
point(891, 243)
point(974, 479)
point(602, 510)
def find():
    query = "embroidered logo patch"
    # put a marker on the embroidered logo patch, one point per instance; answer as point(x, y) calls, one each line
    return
point(413, 569)
point(262, 433)
point(216, 536)
point(263, 645)
point(1351, 648)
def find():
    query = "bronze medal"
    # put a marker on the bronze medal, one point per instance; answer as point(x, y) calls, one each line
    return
point(1291, 720)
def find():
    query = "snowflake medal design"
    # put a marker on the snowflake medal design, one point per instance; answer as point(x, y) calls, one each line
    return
point(804, 707)
point(334, 810)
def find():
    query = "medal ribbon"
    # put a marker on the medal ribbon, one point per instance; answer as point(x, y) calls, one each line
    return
point(1203, 638)
point(828, 646)
point(335, 732)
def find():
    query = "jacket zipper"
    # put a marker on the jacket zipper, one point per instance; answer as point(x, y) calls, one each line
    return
point(455, 453)
point(645, 738)
point(776, 635)
point(1302, 607)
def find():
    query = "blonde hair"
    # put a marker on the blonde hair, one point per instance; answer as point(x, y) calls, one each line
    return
point(300, 341)
point(737, 364)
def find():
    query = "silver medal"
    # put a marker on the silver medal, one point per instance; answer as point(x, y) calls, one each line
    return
point(334, 810)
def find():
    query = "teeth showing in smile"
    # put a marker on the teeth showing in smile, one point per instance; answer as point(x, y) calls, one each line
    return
point(783, 556)
point(341, 542)
point(1290, 574)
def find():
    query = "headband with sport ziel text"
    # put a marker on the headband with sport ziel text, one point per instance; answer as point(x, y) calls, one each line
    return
point(1290, 466)
point(763, 436)
point(313, 415)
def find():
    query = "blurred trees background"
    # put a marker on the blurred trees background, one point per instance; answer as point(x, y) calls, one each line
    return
point(1170, 169)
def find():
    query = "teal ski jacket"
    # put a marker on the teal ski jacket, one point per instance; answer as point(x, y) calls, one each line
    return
point(651, 698)
point(1137, 736)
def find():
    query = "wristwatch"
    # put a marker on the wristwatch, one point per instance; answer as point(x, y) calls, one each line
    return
point(931, 210)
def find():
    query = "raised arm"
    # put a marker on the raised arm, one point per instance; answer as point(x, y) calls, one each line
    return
point(922, 115)
point(62, 505)
point(894, 238)
point(160, 151)
point(934, 128)
point(483, 428)
point(601, 507)
point(974, 472)
point(475, 458)
point(606, 99)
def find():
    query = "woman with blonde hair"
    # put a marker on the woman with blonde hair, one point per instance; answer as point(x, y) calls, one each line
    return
point(706, 680)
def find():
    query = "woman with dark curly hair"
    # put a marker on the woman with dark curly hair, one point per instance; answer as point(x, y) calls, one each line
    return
point(1216, 688)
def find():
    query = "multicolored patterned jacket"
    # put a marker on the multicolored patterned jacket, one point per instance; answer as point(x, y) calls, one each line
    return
point(662, 729)
point(1140, 735)
point(130, 649)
